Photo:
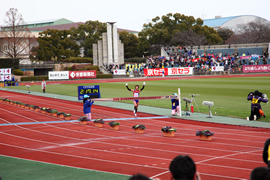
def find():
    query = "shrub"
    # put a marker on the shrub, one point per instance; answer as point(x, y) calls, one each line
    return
point(18, 72)
point(78, 60)
point(140, 126)
point(135, 60)
point(67, 115)
point(83, 118)
point(34, 78)
point(60, 113)
point(168, 129)
point(91, 68)
point(99, 121)
point(54, 111)
point(36, 107)
point(113, 123)
point(9, 63)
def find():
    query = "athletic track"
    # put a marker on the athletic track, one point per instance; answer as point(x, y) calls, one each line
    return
point(232, 154)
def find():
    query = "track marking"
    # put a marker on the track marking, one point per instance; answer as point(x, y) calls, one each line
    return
point(81, 157)
point(63, 121)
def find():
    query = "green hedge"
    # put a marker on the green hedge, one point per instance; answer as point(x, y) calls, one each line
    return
point(91, 68)
point(78, 60)
point(34, 78)
point(99, 76)
point(9, 63)
point(135, 60)
point(18, 72)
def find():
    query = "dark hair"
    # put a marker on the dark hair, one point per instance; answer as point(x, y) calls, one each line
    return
point(139, 177)
point(84, 99)
point(137, 85)
point(183, 167)
point(265, 151)
point(260, 173)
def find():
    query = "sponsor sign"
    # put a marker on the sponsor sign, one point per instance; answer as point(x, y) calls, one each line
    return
point(217, 68)
point(58, 75)
point(155, 72)
point(180, 71)
point(92, 91)
point(169, 71)
point(82, 74)
point(5, 71)
point(119, 72)
point(5, 77)
point(256, 68)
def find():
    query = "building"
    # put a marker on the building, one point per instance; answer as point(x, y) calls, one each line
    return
point(59, 24)
point(231, 22)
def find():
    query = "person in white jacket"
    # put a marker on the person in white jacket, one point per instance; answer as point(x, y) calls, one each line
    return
point(43, 85)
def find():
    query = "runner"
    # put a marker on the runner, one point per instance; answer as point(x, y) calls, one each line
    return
point(136, 93)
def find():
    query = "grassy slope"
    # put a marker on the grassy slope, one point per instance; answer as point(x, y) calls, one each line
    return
point(228, 94)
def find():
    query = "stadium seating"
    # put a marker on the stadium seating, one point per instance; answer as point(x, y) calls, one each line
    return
point(223, 51)
point(251, 50)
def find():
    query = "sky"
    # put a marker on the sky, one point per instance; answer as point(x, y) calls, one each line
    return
point(131, 14)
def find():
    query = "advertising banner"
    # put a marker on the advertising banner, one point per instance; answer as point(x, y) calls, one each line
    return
point(217, 68)
point(155, 72)
point(180, 71)
point(5, 77)
point(58, 75)
point(256, 68)
point(119, 72)
point(82, 74)
point(5, 71)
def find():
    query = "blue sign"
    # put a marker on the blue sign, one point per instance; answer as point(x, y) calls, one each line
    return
point(10, 82)
point(92, 91)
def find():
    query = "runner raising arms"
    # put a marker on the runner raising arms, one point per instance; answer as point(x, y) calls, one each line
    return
point(136, 93)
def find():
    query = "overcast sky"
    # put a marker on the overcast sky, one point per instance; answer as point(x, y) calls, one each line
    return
point(131, 14)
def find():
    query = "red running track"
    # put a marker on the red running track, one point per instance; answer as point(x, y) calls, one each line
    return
point(147, 79)
point(232, 154)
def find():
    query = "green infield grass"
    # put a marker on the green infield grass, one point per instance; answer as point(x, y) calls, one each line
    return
point(228, 94)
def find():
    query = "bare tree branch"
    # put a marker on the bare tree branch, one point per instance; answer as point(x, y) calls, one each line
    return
point(15, 34)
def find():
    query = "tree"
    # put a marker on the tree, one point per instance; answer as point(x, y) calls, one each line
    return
point(130, 44)
point(225, 33)
point(16, 36)
point(161, 30)
point(56, 44)
point(87, 34)
point(257, 31)
point(188, 38)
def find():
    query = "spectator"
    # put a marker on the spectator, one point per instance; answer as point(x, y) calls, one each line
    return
point(260, 173)
point(139, 177)
point(183, 167)
point(266, 152)
point(43, 85)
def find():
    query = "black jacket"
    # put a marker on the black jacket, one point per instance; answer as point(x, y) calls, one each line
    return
point(265, 151)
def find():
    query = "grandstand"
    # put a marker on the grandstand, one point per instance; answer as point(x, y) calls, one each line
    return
point(251, 50)
point(223, 51)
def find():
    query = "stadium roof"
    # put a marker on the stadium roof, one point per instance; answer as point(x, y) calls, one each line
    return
point(231, 22)
point(217, 21)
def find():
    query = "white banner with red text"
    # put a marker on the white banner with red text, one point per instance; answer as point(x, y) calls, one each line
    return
point(119, 72)
point(56, 75)
point(5, 71)
point(256, 68)
point(217, 68)
point(168, 71)
point(5, 77)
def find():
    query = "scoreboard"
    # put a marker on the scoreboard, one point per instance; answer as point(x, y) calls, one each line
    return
point(92, 91)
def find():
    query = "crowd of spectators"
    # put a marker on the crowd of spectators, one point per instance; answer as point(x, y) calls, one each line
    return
point(189, 57)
